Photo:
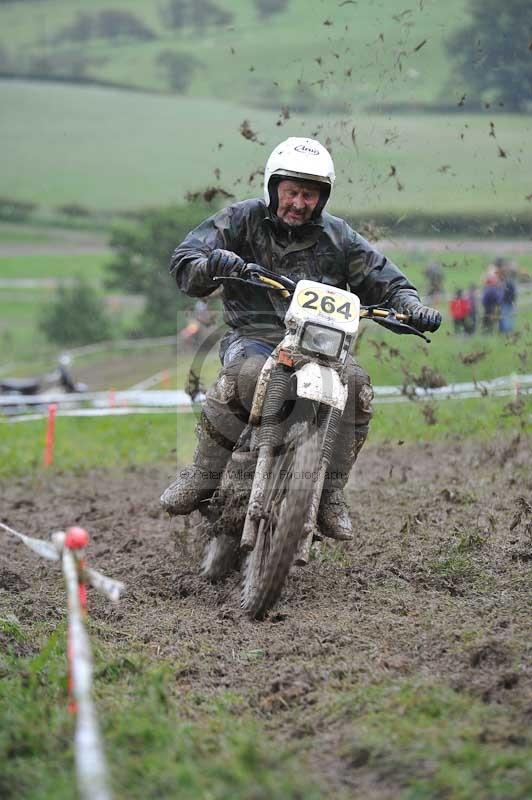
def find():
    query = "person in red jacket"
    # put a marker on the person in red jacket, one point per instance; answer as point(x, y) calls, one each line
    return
point(460, 308)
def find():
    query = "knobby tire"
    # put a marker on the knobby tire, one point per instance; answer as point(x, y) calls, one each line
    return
point(285, 509)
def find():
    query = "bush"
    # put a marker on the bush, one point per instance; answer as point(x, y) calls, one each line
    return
point(142, 261)
point(115, 23)
point(76, 316)
point(83, 28)
point(267, 8)
point(179, 69)
point(175, 14)
point(492, 53)
point(205, 12)
point(199, 13)
point(73, 64)
point(74, 210)
point(15, 210)
point(107, 24)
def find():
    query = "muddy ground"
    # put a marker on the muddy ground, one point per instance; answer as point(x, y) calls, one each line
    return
point(437, 586)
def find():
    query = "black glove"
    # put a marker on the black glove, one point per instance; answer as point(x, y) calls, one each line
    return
point(423, 318)
point(222, 263)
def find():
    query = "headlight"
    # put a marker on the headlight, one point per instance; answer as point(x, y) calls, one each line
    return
point(323, 340)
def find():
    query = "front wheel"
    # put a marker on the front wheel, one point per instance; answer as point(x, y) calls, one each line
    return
point(286, 502)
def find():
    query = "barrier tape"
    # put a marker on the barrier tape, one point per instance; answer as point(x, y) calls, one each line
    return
point(172, 398)
point(70, 547)
point(42, 548)
point(421, 395)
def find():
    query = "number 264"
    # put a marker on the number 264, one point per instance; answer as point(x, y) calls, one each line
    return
point(326, 304)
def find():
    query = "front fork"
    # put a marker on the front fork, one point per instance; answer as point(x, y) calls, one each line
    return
point(270, 437)
point(328, 424)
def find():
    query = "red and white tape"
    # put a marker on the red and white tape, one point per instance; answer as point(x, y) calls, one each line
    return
point(69, 546)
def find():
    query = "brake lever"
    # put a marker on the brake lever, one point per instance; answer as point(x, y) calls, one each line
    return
point(256, 269)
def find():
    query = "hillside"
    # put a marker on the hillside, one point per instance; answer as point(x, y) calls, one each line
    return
point(203, 104)
point(311, 53)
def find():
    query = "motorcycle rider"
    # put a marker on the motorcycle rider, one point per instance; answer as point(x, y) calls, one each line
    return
point(289, 233)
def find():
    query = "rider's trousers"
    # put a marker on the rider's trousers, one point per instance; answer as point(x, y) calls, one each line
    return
point(228, 403)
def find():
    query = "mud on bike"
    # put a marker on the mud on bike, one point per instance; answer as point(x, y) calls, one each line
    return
point(266, 504)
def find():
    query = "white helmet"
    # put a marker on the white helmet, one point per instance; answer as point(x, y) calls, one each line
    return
point(302, 159)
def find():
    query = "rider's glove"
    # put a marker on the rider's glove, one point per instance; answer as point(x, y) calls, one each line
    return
point(222, 263)
point(423, 318)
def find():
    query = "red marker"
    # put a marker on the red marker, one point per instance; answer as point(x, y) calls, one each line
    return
point(50, 433)
point(76, 538)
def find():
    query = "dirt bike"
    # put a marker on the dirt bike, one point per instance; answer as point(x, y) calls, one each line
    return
point(16, 389)
point(266, 504)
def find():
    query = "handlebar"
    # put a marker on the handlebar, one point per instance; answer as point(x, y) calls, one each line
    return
point(255, 275)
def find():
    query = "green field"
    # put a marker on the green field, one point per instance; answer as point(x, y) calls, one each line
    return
point(116, 150)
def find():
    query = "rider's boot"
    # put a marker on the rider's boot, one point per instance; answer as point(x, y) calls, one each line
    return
point(224, 417)
point(333, 515)
point(197, 481)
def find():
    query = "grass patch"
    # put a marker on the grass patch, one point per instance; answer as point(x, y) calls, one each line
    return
point(24, 234)
point(481, 418)
point(23, 342)
point(159, 741)
point(20, 337)
point(90, 266)
point(435, 742)
point(121, 442)
point(10, 627)
point(87, 443)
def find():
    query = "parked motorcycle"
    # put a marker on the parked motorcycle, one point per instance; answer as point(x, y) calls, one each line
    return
point(60, 379)
point(266, 504)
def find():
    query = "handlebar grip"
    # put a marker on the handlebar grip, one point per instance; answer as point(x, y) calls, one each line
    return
point(274, 285)
point(383, 312)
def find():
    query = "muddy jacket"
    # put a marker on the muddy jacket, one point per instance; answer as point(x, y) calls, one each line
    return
point(325, 250)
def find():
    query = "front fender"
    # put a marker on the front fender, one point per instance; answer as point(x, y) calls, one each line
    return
point(322, 384)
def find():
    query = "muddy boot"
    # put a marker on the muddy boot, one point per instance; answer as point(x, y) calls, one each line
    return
point(333, 515)
point(197, 481)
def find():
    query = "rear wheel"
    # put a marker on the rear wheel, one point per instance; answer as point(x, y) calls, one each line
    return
point(286, 502)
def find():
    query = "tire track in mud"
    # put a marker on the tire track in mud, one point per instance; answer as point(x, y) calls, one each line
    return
point(436, 587)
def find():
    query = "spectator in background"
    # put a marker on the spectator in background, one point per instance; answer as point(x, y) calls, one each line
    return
point(460, 309)
point(434, 276)
point(505, 272)
point(472, 296)
point(491, 300)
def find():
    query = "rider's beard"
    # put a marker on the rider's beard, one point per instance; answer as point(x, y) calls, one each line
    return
point(297, 218)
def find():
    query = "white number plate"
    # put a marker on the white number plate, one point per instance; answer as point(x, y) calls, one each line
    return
point(326, 304)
